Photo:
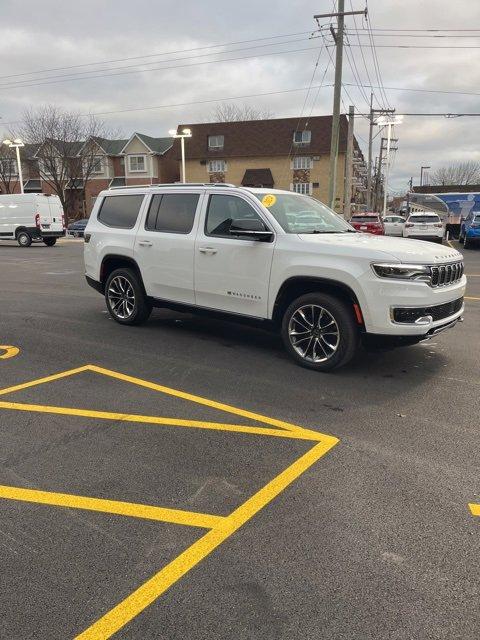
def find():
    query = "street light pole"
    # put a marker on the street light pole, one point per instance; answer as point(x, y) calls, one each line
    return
point(16, 144)
point(186, 133)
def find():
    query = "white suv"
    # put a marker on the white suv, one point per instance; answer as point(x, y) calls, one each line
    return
point(273, 257)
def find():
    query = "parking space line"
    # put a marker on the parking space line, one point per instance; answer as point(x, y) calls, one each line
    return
point(34, 383)
point(147, 512)
point(148, 592)
point(475, 509)
point(10, 352)
point(470, 298)
point(298, 434)
point(196, 399)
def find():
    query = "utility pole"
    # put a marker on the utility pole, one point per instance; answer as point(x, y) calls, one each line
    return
point(347, 196)
point(340, 15)
point(371, 117)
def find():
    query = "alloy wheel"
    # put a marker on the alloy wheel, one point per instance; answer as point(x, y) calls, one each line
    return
point(314, 333)
point(121, 297)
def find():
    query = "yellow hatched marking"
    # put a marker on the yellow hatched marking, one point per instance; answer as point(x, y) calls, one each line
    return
point(147, 512)
point(148, 592)
point(299, 434)
point(33, 383)
point(475, 509)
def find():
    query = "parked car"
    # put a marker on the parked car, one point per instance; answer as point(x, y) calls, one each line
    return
point(77, 228)
point(393, 225)
point(31, 217)
point(368, 223)
point(242, 254)
point(424, 226)
point(470, 230)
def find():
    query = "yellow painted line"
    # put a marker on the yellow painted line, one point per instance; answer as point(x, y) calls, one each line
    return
point(298, 434)
point(34, 383)
point(148, 592)
point(470, 298)
point(147, 512)
point(475, 509)
point(192, 398)
point(10, 352)
point(449, 243)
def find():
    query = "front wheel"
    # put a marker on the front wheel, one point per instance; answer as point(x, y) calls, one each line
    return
point(319, 331)
point(24, 239)
point(50, 242)
point(125, 298)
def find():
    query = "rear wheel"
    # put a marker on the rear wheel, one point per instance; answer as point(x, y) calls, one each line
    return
point(49, 241)
point(125, 298)
point(24, 239)
point(319, 331)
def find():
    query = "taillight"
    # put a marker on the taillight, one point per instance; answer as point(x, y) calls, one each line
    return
point(437, 224)
point(409, 224)
point(37, 220)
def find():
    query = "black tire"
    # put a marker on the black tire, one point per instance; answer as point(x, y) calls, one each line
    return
point(50, 242)
point(75, 234)
point(346, 333)
point(467, 244)
point(141, 308)
point(24, 239)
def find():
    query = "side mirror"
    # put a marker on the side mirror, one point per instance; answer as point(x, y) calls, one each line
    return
point(250, 228)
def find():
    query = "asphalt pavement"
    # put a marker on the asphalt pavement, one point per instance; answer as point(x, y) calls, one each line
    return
point(183, 479)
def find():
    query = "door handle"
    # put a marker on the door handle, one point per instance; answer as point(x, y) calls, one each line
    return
point(145, 243)
point(209, 251)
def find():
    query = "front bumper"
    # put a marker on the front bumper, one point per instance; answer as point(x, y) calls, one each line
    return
point(383, 295)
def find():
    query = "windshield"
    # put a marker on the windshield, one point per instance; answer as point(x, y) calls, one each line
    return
point(430, 219)
point(302, 214)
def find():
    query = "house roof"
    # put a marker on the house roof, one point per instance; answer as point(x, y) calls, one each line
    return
point(111, 147)
point(257, 178)
point(264, 137)
point(155, 145)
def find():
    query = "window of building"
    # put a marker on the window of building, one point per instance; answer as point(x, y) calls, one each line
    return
point(302, 137)
point(137, 163)
point(216, 142)
point(8, 167)
point(302, 162)
point(172, 212)
point(120, 212)
point(97, 164)
point(222, 209)
point(217, 166)
point(305, 188)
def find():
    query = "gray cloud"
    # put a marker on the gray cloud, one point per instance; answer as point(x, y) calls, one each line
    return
point(64, 33)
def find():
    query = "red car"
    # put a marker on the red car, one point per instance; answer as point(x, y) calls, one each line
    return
point(368, 223)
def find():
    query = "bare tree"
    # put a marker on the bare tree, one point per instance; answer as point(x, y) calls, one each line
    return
point(8, 170)
point(67, 152)
point(232, 112)
point(467, 172)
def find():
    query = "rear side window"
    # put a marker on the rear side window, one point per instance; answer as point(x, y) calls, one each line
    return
point(172, 212)
point(120, 212)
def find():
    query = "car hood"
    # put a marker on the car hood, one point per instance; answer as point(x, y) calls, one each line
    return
point(383, 247)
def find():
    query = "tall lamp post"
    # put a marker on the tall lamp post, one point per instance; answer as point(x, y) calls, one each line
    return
point(186, 133)
point(16, 144)
point(421, 174)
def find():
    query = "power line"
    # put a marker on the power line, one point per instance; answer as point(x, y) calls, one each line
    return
point(420, 46)
point(260, 55)
point(375, 59)
point(414, 90)
point(196, 102)
point(155, 55)
point(143, 64)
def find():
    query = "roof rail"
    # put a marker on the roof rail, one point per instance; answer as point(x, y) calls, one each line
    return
point(175, 184)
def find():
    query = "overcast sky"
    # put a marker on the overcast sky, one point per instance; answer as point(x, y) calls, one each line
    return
point(50, 35)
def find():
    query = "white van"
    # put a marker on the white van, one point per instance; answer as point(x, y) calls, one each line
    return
point(28, 217)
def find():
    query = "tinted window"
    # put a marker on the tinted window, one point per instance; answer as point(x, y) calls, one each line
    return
point(477, 218)
point(120, 211)
point(172, 212)
point(222, 209)
point(430, 219)
point(365, 219)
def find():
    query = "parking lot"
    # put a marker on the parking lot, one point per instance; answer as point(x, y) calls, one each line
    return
point(185, 479)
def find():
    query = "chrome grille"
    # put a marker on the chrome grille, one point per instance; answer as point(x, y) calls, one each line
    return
point(444, 274)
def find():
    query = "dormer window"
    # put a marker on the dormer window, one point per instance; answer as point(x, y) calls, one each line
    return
point(215, 143)
point(302, 137)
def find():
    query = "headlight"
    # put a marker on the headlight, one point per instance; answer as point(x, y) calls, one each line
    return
point(402, 271)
